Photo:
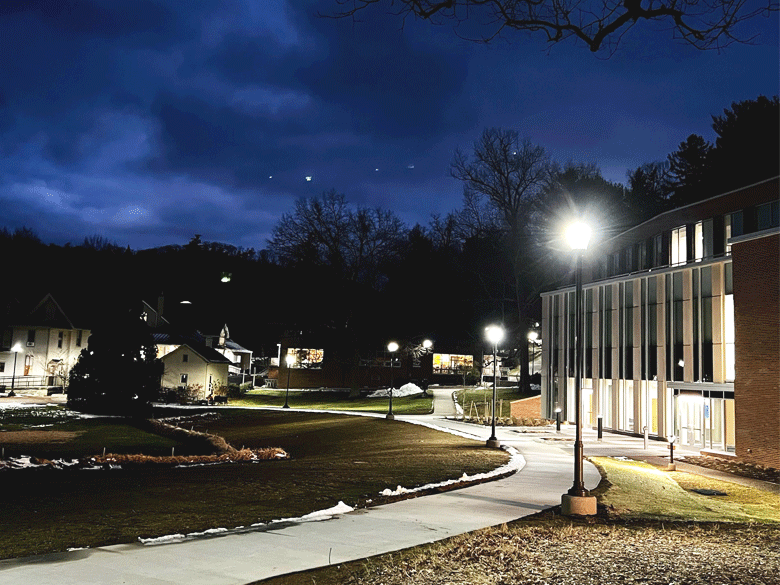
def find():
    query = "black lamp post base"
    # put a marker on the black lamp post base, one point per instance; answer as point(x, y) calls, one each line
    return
point(390, 416)
point(493, 443)
point(286, 406)
point(578, 505)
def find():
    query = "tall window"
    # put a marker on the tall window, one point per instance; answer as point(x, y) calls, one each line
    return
point(728, 334)
point(60, 337)
point(678, 246)
point(698, 241)
point(30, 337)
point(78, 338)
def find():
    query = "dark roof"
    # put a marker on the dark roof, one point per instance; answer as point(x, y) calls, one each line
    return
point(207, 353)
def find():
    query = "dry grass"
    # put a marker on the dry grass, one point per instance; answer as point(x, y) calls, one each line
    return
point(643, 534)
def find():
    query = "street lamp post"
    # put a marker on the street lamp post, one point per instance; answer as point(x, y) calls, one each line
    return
point(16, 349)
point(289, 360)
point(392, 347)
point(532, 337)
point(494, 335)
point(577, 501)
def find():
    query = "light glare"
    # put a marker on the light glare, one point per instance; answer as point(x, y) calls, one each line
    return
point(578, 235)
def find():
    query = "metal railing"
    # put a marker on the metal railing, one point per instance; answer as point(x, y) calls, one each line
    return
point(23, 381)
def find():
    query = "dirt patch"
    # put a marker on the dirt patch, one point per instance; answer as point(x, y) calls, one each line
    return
point(37, 437)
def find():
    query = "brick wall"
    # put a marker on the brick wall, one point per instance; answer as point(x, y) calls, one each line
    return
point(527, 407)
point(756, 264)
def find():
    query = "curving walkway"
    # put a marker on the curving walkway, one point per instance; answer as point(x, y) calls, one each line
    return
point(288, 547)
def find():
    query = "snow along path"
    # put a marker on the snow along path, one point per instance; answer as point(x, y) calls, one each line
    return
point(286, 547)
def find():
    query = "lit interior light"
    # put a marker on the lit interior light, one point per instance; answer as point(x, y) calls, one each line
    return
point(308, 177)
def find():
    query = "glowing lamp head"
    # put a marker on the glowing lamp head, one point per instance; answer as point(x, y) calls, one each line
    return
point(17, 348)
point(494, 334)
point(392, 346)
point(290, 359)
point(427, 344)
point(533, 336)
point(578, 236)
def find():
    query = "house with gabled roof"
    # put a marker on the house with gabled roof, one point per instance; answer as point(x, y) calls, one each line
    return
point(202, 370)
point(38, 347)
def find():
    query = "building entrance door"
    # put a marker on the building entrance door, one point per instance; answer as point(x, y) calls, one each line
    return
point(690, 420)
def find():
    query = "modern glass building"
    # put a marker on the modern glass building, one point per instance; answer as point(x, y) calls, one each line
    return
point(670, 311)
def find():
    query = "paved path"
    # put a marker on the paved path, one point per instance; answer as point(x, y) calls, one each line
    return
point(245, 557)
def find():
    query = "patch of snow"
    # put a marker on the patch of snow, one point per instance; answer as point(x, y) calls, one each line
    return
point(162, 539)
point(405, 390)
point(19, 405)
point(622, 458)
point(516, 463)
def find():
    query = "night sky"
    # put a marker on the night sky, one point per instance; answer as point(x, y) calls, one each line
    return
point(146, 122)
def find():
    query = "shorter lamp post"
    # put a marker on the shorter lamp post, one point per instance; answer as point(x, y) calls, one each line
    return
point(558, 420)
point(392, 347)
point(289, 360)
point(494, 335)
point(532, 337)
point(16, 349)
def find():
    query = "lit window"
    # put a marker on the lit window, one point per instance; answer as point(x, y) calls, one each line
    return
point(184, 379)
point(306, 358)
point(678, 249)
point(698, 241)
point(728, 335)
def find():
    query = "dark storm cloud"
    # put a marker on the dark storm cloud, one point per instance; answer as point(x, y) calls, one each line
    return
point(149, 121)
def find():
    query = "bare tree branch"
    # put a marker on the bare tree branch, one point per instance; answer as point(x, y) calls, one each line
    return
point(600, 24)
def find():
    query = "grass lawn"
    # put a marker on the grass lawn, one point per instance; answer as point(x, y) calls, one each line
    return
point(482, 398)
point(330, 400)
point(333, 457)
point(54, 432)
point(652, 529)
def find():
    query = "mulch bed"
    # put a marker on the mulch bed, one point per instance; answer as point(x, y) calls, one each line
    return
point(761, 472)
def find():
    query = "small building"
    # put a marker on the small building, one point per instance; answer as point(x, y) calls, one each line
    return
point(201, 370)
point(43, 343)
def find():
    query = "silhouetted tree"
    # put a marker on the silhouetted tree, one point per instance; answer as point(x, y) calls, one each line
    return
point(508, 175)
point(118, 372)
point(747, 147)
point(704, 24)
point(648, 191)
point(689, 171)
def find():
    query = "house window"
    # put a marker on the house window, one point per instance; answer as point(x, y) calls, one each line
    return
point(60, 337)
point(658, 250)
point(2, 366)
point(185, 357)
point(28, 363)
point(30, 337)
point(183, 379)
point(78, 338)
point(5, 340)
point(678, 249)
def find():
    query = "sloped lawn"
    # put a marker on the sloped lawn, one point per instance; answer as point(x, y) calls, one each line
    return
point(333, 457)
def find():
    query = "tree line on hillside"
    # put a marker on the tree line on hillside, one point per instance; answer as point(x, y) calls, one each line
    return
point(351, 277)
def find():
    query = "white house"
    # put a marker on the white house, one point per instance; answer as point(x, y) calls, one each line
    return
point(38, 349)
point(201, 369)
